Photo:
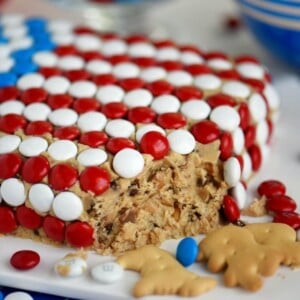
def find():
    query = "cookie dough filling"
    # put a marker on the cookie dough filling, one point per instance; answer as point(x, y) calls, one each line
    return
point(112, 142)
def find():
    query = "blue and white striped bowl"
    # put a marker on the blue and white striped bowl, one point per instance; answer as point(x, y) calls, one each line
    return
point(276, 25)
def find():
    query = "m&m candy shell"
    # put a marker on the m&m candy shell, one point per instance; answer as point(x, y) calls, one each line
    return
point(187, 251)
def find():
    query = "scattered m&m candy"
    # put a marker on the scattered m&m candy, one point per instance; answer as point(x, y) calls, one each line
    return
point(18, 296)
point(72, 265)
point(187, 251)
point(25, 259)
point(108, 272)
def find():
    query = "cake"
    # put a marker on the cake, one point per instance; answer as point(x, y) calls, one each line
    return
point(112, 142)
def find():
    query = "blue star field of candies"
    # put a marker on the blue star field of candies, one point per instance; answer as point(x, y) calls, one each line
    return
point(22, 58)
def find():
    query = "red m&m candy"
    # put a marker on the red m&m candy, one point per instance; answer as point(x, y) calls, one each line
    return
point(54, 228)
point(8, 221)
point(83, 105)
point(79, 234)
point(25, 259)
point(115, 145)
point(205, 131)
point(10, 164)
point(62, 176)
point(38, 128)
point(93, 139)
point(155, 143)
point(271, 187)
point(28, 218)
point(280, 203)
point(35, 169)
point(171, 120)
point(67, 133)
point(141, 114)
point(95, 180)
point(10, 123)
point(290, 218)
point(230, 208)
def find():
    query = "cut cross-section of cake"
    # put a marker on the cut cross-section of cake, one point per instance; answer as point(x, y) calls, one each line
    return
point(111, 142)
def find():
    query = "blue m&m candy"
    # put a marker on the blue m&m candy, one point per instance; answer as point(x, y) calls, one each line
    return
point(7, 79)
point(1, 295)
point(187, 251)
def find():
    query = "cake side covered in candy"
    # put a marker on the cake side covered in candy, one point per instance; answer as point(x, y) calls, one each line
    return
point(113, 142)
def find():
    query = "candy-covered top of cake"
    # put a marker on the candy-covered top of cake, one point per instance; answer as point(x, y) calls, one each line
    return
point(72, 99)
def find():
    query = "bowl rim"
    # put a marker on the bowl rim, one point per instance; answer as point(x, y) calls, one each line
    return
point(267, 6)
point(270, 19)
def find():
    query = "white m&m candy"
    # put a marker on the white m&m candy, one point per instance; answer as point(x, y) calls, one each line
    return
point(251, 70)
point(239, 193)
point(62, 150)
point(18, 296)
point(208, 82)
point(126, 70)
point(236, 89)
point(128, 163)
point(138, 97)
point(41, 197)
point(107, 272)
point(92, 157)
point(57, 85)
point(37, 112)
point(195, 109)
point(72, 265)
point(226, 117)
point(153, 73)
point(110, 93)
point(33, 146)
point(179, 78)
point(168, 53)
point(88, 42)
point(9, 143)
point(11, 107)
point(92, 121)
point(82, 89)
point(63, 117)
point(257, 107)
point(13, 191)
point(30, 80)
point(45, 59)
point(67, 206)
point(98, 66)
point(271, 96)
point(190, 58)
point(232, 171)
point(119, 128)
point(181, 141)
point(70, 62)
point(220, 64)
point(165, 103)
point(114, 47)
point(141, 49)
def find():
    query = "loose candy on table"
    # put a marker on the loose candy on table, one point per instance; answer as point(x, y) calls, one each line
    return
point(107, 272)
point(72, 265)
point(18, 296)
point(187, 251)
point(25, 259)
